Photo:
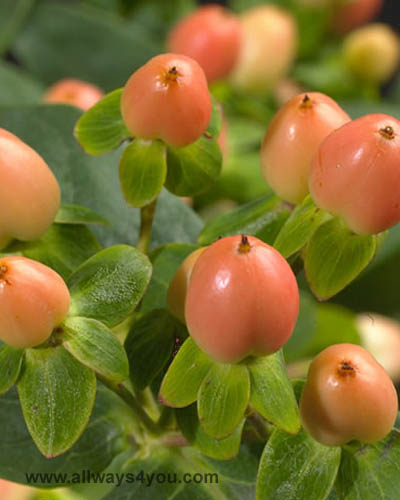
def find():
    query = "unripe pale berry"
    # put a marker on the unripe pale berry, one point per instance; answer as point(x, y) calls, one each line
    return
point(350, 14)
point(81, 94)
point(372, 52)
point(268, 48)
point(177, 290)
point(33, 300)
point(167, 99)
point(211, 36)
point(242, 299)
point(355, 173)
point(29, 192)
point(380, 335)
point(292, 138)
point(348, 396)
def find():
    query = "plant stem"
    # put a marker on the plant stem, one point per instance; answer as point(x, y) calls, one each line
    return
point(133, 404)
point(146, 225)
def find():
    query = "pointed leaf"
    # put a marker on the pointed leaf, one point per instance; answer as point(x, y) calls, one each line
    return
point(95, 346)
point(102, 129)
point(109, 285)
point(185, 375)
point(222, 449)
point(335, 256)
point(10, 366)
point(142, 171)
point(272, 393)
point(152, 337)
point(57, 395)
point(370, 471)
point(223, 398)
point(296, 467)
point(299, 227)
point(76, 214)
point(194, 168)
point(262, 218)
point(214, 127)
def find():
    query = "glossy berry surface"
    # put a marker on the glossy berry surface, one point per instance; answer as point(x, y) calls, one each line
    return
point(242, 299)
point(348, 396)
point(33, 300)
point(355, 173)
point(167, 99)
point(29, 191)
point(292, 138)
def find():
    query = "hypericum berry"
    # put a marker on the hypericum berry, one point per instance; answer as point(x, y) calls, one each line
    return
point(33, 301)
point(347, 396)
point(268, 48)
point(242, 299)
point(211, 36)
point(177, 290)
point(167, 99)
point(380, 335)
point(372, 52)
point(29, 192)
point(350, 14)
point(81, 94)
point(355, 173)
point(292, 138)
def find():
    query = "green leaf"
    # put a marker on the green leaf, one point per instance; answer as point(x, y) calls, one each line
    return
point(185, 375)
point(63, 247)
point(223, 398)
point(194, 168)
point(104, 50)
point(262, 218)
point(370, 471)
point(165, 261)
point(214, 127)
point(95, 346)
point(298, 345)
point(57, 395)
point(109, 285)
point(18, 87)
point(75, 214)
point(272, 393)
point(93, 181)
point(221, 449)
point(10, 366)
point(142, 171)
point(299, 228)
point(13, 14)
point(103, 439)
point(102, 129)
point(149, 346)
point(296, 467)
point(334, 257)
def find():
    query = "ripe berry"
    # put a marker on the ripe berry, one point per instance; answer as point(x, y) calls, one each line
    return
point(355, 173)
point(177, 290)
point(29, 192)
point(292, 138)
point(75, 92)
point(268, 48)
point(33, 300)
point(242, 299)
point(211, 36)
point(347, 396)
point(167, 99)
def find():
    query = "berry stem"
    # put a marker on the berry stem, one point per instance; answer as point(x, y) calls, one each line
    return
point(128, 398)
point(146, 226)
